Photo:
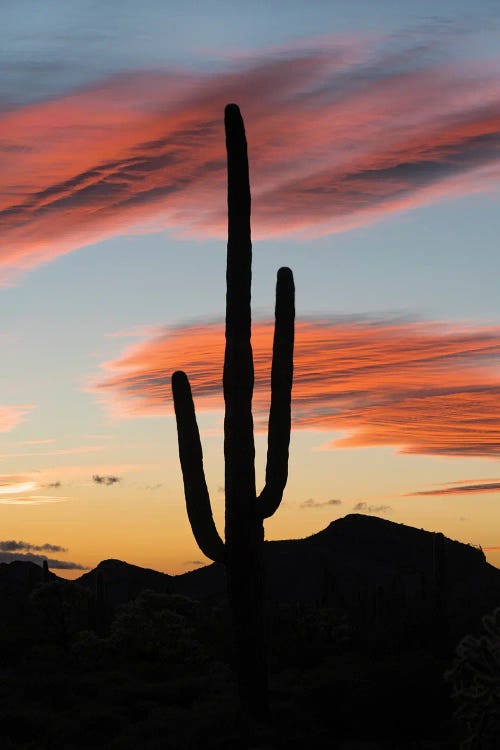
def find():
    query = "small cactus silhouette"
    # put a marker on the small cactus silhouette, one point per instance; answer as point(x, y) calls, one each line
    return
point(242, 551)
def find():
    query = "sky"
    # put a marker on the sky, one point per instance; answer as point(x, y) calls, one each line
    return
point(373, 135)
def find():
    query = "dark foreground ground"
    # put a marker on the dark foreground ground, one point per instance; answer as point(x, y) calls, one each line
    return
point(339, 704)
point(158, 677)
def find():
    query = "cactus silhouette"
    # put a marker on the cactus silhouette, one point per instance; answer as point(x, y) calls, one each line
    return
point(242, 551)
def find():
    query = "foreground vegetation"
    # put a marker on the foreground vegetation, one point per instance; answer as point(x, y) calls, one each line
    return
point(157, 674)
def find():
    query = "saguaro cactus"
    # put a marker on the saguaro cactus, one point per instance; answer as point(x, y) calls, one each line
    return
point(242, 551)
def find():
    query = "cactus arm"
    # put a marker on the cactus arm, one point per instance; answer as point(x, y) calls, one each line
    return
point(238, 376)
point(281, 394)
point(191, 457)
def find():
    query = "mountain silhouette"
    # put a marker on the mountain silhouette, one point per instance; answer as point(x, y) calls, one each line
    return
point(123, 582)
point(383, 576)
point(391, 581)
point(20, 577)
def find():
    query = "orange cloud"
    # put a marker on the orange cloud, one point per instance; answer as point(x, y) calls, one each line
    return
point(460, 489)
point(425, 387)
point(337, 140)
point(12, 415)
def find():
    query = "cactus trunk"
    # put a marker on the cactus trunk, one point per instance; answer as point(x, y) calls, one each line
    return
point(244, 526)
point(242, 551)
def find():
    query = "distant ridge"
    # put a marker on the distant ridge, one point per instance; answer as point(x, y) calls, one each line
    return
point(355, 545)
point(378, 573)
point(123, 581)
point(375, 571)
point(21, 576)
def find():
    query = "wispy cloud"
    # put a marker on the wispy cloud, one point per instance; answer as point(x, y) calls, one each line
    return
point(82, 472)
point(59, 452)
point(426, 388)
point(10, 545)
point(363, 507)
point(338, 139)
point(11, 484)
point(14, 489)
point(107, 481)
point(458, 489)
point(33, 500)
point(8, 557)
point(13, 414)
point(312, 503)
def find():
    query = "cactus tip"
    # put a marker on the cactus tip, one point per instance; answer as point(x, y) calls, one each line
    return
point(231, 109)
point(179, 377)
point(285, 273)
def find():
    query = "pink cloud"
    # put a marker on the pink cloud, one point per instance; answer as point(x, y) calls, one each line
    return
point(55, 452)
point(459, 489)
point(12, 415)
point(336, 140)
point(426, 388)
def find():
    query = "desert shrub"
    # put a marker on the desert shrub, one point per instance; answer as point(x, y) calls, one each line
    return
point(59, 611)
point(158, 627)
point(475, 685)
point(153, 627)
point(305, 632)
point(91, 650)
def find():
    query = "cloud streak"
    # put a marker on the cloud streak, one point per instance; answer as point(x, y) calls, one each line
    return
point(12, 415)
point(13, 489)
point(107, 481)
point(339, 138)
point(8, 557)
point(312, 503)
point(59, 452)
point(363, 507)
point(10, 545)
point(459, 489)
point(427, 388)
point(32, 500)
point(9, 487)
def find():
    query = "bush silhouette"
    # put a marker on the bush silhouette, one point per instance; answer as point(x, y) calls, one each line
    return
point(475, 682)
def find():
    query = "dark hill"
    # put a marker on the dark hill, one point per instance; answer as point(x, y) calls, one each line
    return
point(20, 577)
point(389, 580)
point(382, 575)
point(122, 582)
point(355, 549)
